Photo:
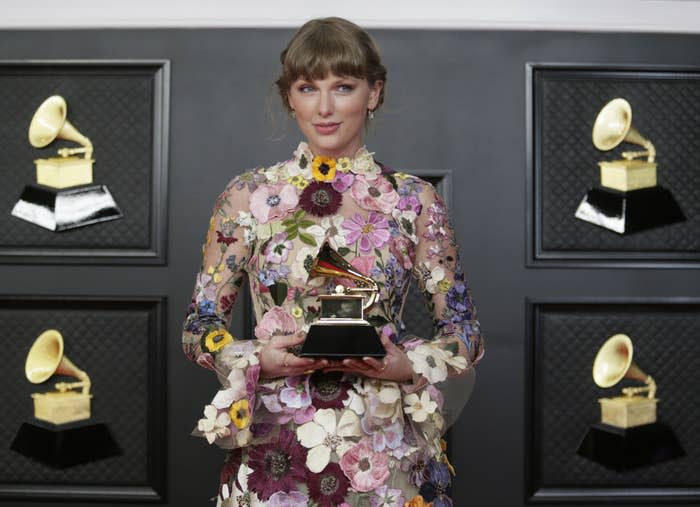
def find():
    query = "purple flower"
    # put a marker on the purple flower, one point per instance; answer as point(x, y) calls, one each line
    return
point(457, 298)
point(277, 250)
point(436, 488)
point(293, 499)
point(410, 202)
point(371, 232)
point(343, 181)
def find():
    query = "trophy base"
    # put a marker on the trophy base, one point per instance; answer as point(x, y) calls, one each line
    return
point(632, 211)
point(337, 341)
point(66, 445)
point(62, 209)
point(623, 449)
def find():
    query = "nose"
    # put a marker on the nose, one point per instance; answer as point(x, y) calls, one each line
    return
point(325, 106)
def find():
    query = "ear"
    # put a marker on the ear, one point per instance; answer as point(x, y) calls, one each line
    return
point(375, 90)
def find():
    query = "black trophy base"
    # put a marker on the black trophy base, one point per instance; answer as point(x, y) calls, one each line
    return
point(65, 445)
point(628, 212)
point(334, 341)
point(59, 209)
point(623, 449)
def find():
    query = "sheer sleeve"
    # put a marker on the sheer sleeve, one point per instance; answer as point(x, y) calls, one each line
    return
point(206, 339)
point(441, 362)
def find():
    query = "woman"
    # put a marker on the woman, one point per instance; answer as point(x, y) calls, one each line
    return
point(309, 431)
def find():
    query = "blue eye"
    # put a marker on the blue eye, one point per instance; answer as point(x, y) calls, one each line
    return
point(306, 88)
point(346, 88)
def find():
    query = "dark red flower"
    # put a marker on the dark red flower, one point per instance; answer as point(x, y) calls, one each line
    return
point(320, 199)
point(277, 465)
point(227, 303)
point(226, 240)
point(328, 390)
point(329, 487)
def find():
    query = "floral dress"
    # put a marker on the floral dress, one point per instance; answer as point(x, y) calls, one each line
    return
point(328, 439)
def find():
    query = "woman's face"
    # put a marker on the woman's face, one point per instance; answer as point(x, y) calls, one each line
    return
point(331, 112)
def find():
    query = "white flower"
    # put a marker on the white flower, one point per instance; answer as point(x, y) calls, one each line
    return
point(333, 231)
point(431, 361)
point(355, 402)
point(214, 426)
point(419, 408)
point(225, 397)
point(275, 173)
point(249, 224)
point(301, 266)
point(239, 354)
point(244, 497)
point(382, 399)
point(364, 164)
point(406, 221)
point(317, 231)
point(432, 277)
point(322, 436)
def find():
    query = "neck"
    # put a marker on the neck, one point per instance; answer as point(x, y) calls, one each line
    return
point(349, 152)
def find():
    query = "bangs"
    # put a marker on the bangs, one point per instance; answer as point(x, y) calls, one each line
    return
point(325, 52)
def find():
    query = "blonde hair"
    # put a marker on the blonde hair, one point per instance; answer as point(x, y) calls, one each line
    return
point(330, 45)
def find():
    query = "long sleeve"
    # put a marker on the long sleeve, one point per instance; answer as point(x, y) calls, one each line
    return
point(206, 339)
point(441, 361)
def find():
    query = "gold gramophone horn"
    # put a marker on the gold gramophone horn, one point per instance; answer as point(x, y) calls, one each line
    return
point(614, 362)
point(330, 263)
point(613, 125)
point(50, 122)
point(46, 358)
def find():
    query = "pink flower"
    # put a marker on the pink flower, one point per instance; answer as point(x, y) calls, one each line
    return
point(364, 264)
point(402, 248)
point(411, 203)
point(275, 321)
point(366, 469)
point(376, 194)
point(296, 394)
point(273, 201)
point(277, 250)
point(343, 181)
point(372, 232)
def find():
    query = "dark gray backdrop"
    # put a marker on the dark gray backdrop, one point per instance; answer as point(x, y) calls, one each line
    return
point(455, 100)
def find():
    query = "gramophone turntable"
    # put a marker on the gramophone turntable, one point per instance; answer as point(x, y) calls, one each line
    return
point(628, 198)
point(62, 434)
point(629, 434)
point(342, 330)
point(64, 196)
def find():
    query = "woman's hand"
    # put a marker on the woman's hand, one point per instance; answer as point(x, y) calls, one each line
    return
point(395, 366)
point(277, 361)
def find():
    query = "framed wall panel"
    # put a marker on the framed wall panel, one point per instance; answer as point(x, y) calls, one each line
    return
point(120, 343)
point(562, 104)
point(562, 399)
point(123, 108)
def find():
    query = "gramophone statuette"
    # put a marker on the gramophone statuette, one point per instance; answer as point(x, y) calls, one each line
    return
point(628, 198)
point(70, 401)
point(628, 435)
point(62, 433)
point(342, 330)
point(64, 196)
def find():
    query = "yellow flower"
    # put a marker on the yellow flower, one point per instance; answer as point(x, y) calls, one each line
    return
point(297, 312)
point(444, 285)
point(299, 181)
point(417, 501)
point(240, 414)
point(217, 339)
point(344, 164)
point(400, 175)
point(217, 277)
point(323, 168)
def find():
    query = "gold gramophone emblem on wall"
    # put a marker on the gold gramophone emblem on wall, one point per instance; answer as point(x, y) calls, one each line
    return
point(62, 433)
point(64, 196)
point(612, 364)
point(342, 330)
point(629, 434)
point(64, 404)
point(628, 198)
